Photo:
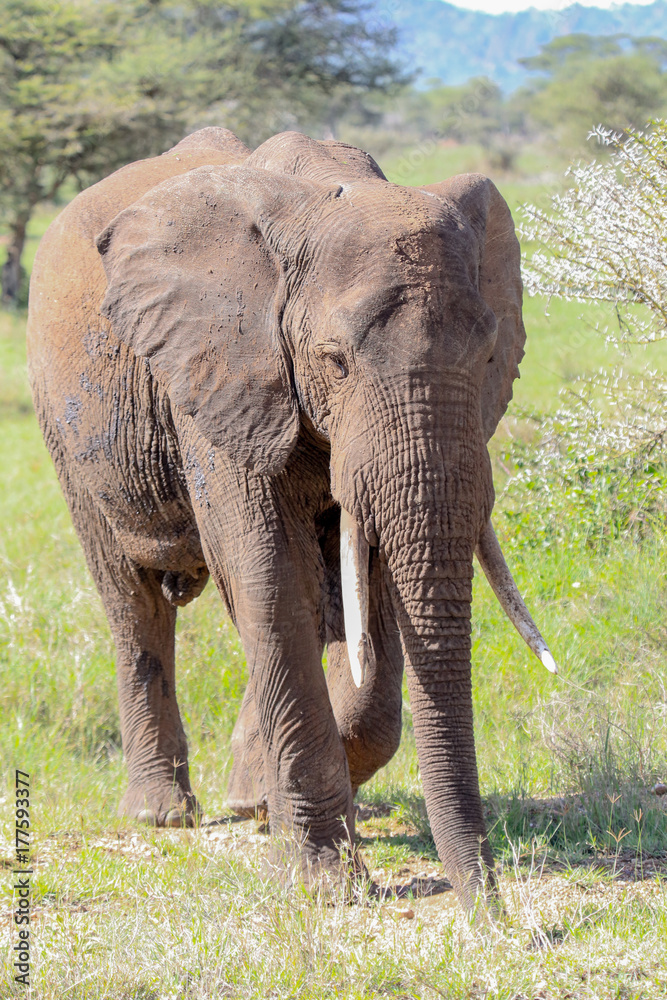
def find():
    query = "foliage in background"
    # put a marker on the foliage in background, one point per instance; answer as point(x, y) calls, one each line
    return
point(617, 81)
point(580, 81)
point(596, 469)
point(601, 460)
point(86, 87)
point(475, 112)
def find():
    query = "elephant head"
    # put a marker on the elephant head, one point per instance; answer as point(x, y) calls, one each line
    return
point(302, 288)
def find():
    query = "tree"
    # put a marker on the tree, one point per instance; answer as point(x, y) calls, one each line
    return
point(477, 112)
point(86, 85)
point(618, 81)
point(419, 120)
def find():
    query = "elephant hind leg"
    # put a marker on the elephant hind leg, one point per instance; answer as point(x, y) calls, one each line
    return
point(246, 788)
point(142, 622)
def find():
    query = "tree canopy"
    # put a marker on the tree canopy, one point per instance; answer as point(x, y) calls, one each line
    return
point(86, 85)
point(618, 82)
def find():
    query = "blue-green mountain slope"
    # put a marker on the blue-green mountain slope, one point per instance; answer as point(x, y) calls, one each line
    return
point(445, 41)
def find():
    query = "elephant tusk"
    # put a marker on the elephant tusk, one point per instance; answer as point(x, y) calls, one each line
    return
point(498, 574)
point(354, 553)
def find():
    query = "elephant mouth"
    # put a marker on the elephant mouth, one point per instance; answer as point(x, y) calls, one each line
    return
point(354, 561)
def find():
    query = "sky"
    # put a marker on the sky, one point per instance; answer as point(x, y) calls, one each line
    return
point(500, 6)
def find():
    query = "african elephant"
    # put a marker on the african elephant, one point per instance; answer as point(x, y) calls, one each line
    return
point(280, 369)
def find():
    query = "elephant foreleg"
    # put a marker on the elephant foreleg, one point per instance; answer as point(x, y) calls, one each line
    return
point(304, 765)
point(263, 553)
point(368, 718)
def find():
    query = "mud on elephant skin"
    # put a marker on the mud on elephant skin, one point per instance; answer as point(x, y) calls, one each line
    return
point(280, 369)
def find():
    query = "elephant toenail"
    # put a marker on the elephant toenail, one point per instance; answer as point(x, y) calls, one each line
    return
point(176, 818)
point(147, 816)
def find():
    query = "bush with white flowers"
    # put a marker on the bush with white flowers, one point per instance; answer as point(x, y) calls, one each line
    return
point(598, 468)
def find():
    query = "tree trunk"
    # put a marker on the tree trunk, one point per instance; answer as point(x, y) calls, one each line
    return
point(11, 270)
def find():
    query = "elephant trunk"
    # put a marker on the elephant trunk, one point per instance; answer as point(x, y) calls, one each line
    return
point(433, 594)
point(433, 598)
point(426, 506)
point(440, 496)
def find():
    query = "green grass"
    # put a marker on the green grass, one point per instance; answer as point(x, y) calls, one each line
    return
point(567, 765)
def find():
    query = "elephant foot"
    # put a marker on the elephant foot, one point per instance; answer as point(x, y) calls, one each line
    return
point(248, 810)
point(167, 807)
point(336, 872)
point(338, 876)
point(318, 871)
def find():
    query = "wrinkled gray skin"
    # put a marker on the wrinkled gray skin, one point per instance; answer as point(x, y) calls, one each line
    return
point(224, 349)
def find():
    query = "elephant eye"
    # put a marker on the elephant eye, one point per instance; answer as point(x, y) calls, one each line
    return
point(338, 364)
point(335, 361)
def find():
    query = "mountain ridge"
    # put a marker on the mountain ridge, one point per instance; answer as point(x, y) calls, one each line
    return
point(447, 42)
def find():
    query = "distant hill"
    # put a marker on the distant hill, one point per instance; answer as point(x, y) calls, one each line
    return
point(453, 44)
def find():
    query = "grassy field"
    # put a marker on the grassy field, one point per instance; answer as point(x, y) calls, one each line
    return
point(567, 768)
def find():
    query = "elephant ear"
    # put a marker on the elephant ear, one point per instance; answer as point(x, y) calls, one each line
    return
point(479, 200)
point(194, 287)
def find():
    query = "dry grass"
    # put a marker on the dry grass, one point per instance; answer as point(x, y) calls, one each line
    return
point(133, 913)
